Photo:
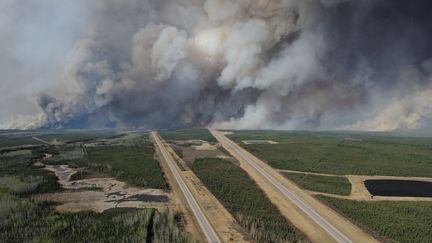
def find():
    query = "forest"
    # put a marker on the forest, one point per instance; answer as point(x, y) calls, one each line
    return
point(245, 201)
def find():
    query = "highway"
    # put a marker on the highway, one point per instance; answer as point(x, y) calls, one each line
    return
point(41, 140)
point(239, 152)
point(202, 220)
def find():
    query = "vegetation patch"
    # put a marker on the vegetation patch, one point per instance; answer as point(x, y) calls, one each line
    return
point(342, 153)
point(62, 154)
point(79, 175)
point(328, 184)
point(22, 177)
point(73, 136)
point(17, 140)
point(133, 164)
point(188, 134)
point(22, 220)
point(246, 202)
point(400, 221)
point(9, 139)
point(4, 190)
point(178, 150)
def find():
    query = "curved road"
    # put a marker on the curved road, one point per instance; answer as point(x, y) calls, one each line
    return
point(289, 194)
point(203, 222)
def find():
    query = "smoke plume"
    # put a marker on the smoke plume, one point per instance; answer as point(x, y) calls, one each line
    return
point(247, 64)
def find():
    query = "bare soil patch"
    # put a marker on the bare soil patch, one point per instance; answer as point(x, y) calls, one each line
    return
point(100, 194)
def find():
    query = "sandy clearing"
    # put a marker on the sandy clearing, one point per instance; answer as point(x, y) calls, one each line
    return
point(98, 201)
point(100, 194)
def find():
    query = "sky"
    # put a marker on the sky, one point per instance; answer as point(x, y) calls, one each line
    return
point(236, 64)
point(37, 37)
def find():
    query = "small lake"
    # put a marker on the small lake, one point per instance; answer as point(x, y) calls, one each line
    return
point(399, 188)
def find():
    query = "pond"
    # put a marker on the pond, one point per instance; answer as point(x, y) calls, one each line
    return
point(399, 188)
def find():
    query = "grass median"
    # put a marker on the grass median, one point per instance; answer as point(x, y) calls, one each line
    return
point(328, 184)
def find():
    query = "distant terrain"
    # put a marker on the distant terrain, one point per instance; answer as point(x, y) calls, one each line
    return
point(112, 185)
point(79, 202)
point(343, 153)
point(334, 165)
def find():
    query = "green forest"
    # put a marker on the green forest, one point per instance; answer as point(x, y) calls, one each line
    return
point(342, 153)
point(23, 219)
point(327, 184)
point(187, 134)
point(399, 221)
point(246, 202)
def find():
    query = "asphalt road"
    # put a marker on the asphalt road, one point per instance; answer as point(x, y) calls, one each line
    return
point(203, 222)
point(289, 194)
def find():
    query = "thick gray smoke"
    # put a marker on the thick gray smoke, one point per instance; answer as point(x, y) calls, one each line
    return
point(279, 64)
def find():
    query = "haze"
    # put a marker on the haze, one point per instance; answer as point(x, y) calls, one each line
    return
point(266, 64)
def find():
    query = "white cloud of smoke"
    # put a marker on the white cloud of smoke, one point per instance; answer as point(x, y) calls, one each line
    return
point(277, 64)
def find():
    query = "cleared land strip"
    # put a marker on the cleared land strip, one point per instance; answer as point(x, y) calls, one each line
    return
point(41, 140)
point(202, 220)
point(321, 219)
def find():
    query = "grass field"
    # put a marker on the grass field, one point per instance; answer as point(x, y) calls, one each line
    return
point(343, 153)
point(187, 134)
point(400, 221)
point(246, 202)
point(328, 184)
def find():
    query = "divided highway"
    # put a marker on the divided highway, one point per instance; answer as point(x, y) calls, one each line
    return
point(289, 194)
point(202, 220)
